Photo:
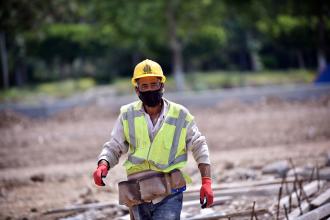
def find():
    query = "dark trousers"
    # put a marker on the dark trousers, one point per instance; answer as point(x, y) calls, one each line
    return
point(167, 209)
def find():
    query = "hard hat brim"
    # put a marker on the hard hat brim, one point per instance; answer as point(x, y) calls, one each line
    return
point(163, 78)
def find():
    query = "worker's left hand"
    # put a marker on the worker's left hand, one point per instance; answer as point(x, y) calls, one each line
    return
point(206, 193)
point(99, 173)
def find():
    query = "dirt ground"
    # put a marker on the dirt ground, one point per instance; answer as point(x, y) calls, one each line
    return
point(48, 163)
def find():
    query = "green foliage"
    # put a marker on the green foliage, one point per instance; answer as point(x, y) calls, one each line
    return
point(102, 39)
point(60, 89)
point(65, 88)
point(75, 32)
point(225, 79)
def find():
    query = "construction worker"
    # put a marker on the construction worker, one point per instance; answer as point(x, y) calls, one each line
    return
point(156, 135)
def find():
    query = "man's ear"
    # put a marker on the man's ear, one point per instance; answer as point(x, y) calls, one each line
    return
point(136, 90)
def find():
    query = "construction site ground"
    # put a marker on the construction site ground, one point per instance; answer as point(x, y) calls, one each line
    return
point(48, 163)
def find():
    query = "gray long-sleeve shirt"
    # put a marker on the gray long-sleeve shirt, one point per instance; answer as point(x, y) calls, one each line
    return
point(117, 145)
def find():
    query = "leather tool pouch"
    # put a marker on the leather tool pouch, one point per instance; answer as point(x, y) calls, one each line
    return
point(177, 179)
point(129, 193)
point(154, 186)
point(134, 192)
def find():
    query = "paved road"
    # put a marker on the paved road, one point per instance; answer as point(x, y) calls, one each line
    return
point(196, 99)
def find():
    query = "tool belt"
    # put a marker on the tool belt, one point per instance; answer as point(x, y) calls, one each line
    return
point(150, 187)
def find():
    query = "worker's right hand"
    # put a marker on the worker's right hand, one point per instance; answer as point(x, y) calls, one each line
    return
point(206, 193)
point(99, 173)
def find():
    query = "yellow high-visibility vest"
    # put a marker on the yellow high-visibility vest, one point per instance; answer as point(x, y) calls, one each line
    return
point(168, 149)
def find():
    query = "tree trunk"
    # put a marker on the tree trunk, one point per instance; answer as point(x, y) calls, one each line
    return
point(242, 60)
point(321, 57)
point(255, 61)
point(300, 58)
point(321, 60)
point(253, 47)
point(4, 61)
point(175, 45)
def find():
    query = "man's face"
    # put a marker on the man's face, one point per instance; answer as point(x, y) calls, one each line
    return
point(150, 90)
point(150, 83)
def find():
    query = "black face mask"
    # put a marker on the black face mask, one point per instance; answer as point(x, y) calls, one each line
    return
point(151, 98)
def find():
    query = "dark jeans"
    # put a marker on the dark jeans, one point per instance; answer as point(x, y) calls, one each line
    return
point(168, 209)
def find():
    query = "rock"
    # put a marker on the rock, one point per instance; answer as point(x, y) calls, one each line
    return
point(305, 172)
point(93, 214)
point(86, 191)
point(280, 168)
point(38, 177)
point(88, 200)
point(34, 210)
point(325, 173)
point(3, 192)
point(239, 174)
point(327, 159)
point(228, 165)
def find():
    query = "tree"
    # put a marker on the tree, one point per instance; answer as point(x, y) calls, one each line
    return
point(16, 18)
point(145, 24)
point(300, 25)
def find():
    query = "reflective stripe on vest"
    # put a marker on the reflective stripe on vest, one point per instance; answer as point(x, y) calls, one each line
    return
point(129, 116)
point(136, 160)
point(179, 124)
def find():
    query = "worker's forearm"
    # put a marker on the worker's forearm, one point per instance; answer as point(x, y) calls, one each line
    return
point(204, 169)
point(116, 146)
point(102, 161)
point(197, 144)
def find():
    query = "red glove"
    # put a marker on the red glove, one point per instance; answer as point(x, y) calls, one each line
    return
point(206, 192)
point(101, 171)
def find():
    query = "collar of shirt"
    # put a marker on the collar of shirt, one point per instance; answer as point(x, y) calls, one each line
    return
point(163, 111)
point(154, 128)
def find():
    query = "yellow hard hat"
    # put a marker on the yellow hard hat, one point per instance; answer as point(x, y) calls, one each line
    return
point(147, 68)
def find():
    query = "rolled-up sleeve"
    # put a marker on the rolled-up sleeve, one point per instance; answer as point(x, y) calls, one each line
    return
point(196, 142)
point(116, 146)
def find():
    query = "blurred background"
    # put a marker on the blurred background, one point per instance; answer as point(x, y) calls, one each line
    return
point(254, 74)
point(75, 45)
